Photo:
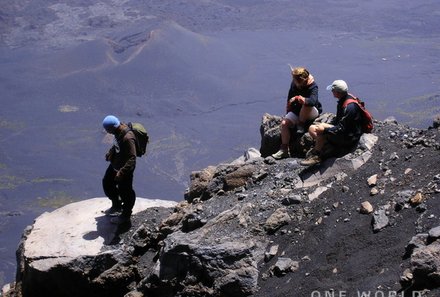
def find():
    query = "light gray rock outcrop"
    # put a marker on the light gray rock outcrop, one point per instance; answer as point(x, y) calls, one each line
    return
point(226, 177)
point(69, 251)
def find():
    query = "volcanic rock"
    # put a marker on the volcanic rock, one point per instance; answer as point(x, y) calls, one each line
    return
point(239, 216)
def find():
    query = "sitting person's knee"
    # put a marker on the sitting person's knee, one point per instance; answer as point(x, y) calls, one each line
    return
point(312, 129)
point(286, 123)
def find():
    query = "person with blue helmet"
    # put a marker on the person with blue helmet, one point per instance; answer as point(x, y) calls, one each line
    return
point(118, 178)
point(110, 122)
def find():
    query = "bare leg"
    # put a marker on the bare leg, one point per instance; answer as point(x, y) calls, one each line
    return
point(285, 132)
point(316, 131)
point(285, 139)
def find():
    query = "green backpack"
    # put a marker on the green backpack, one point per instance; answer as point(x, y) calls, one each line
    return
point(142, 138)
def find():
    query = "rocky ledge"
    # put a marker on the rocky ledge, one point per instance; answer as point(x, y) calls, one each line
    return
point(365, 222)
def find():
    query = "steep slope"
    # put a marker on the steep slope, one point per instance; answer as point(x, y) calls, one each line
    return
point(260, 227)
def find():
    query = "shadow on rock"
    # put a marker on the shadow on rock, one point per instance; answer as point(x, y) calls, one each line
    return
point(108, 231)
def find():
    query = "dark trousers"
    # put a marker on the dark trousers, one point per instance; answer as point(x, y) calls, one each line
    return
point(338, 145)
point(120, 193)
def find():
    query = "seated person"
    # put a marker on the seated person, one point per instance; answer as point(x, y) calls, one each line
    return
point(344, 131)
point(302, 106)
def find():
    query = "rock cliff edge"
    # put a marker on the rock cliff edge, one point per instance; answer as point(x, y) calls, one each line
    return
point(367, 221)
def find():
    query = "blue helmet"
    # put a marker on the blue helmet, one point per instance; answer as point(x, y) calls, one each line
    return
point(110, 122)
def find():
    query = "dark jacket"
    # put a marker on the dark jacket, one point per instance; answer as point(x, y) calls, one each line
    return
point(310, 94)
point(123, 152)
point(348, 121)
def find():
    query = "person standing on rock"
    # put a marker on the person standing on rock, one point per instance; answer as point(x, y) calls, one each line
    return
point(302, 108)
point(344, 131)
point(118, 179)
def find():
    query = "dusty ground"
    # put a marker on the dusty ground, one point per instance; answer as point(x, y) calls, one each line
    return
point(342, 253)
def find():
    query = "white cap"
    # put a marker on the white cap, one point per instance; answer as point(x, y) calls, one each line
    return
point(338, 86)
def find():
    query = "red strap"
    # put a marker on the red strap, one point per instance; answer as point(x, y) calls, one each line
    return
point(348, 101)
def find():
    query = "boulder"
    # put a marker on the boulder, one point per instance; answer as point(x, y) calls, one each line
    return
point(424, 252)
point(228, 177)
point(199, 182)
point(71, 250)
point(239, 177)
point(425, 264)
point(284, 266)
point(220, 257)
point(277, 219)
point(270, 132)
point(418, 241)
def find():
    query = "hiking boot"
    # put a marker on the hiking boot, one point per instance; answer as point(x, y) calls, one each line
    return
point(281, 154)
point(120, 220)
point(312, 160)
point(112, 211)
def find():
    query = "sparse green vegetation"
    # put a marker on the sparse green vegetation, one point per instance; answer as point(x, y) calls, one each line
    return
point(56, 199)
point(15, 126)
point(50, 180)
point(427, 107)
point(68, 108)
point(8, 182)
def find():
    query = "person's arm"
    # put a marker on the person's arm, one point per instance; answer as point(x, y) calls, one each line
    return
point(347, 122)
point(292, 92)
point(290, 95)
point(128, 148)
point(109, 155)
point(312, 100)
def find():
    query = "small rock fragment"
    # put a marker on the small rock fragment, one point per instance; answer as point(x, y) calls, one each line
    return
point(380, 220)
point(407, 170)
point(284, 266)
point(366, 208)
point(279, 218)
point(434, 233)
point(372, 180)
point(406, 277)
point(374, 191)
point(417, 199)
point(271, 253)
